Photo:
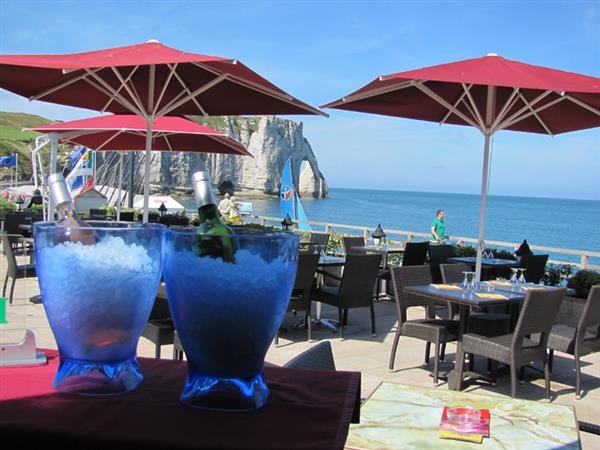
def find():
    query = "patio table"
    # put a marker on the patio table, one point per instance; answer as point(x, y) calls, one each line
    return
point(402, 416)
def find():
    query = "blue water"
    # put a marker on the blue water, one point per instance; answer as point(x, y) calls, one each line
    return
point(563, 223)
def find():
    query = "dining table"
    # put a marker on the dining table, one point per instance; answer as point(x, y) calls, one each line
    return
point(306, 409)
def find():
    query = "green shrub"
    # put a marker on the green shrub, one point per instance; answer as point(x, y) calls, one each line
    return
point(556, 274)
point(583, 281)
point(6, 206)
point(466, 250)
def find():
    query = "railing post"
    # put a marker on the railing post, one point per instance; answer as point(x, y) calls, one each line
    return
point(328, 228)
point(585, 260)
point(366, 234)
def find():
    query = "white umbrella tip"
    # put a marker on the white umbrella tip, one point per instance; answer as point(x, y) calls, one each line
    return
point(152, 41)
point(492, 54)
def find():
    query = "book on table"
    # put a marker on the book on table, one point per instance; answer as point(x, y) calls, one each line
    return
point(464, 423)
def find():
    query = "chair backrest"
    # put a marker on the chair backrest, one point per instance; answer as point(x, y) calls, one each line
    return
point(353, 241)
point(537, 315)
point(13, 220)
point(305, 275)
point(409, 276)
point(453, 273)
point(98, 214)
point(318, 238)
point(319, 356)
point(415, 253)
point(535, 266)
point(11, 261)
point(358, 280)
point(127, 216)
point(438, 255)
point(590, 317)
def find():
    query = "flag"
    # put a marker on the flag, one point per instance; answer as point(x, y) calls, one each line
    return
point(8, 161)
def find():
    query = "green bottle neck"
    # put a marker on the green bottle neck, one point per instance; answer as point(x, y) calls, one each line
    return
point(208, 212)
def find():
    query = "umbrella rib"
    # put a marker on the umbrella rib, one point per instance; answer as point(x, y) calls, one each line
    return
point(456, 103)
point(109, 91)
point(227, 141)
point(507, 105)
point(419, 85)
point(172, 70)
point(536, 115)
point(172, 105)
point(371, 93)
point(187, 90)
point(110, 100)
point(582, 104)
point(59, 86)
point(518, 116)
point(474, 110)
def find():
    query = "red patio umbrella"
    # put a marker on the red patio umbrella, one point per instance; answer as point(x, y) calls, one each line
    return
point(128, 132)
point(150, 80)
point(489, 93)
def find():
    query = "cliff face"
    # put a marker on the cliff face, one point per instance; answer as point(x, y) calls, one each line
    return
point(269, 139)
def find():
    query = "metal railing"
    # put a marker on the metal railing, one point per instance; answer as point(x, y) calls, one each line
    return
point(404, 235)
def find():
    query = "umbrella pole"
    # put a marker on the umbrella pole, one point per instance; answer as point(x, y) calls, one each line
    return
point(120, 186)
point(483, 205)
point(147, 170)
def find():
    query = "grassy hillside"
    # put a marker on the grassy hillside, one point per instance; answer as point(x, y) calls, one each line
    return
point(13, 139)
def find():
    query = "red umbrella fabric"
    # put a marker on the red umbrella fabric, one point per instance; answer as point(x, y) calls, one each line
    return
point(120, 80)
point(128, 132)
point(489, 93)
point(150, 80)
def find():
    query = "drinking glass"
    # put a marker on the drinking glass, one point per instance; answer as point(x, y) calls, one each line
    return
point(227, 313)
point(473, 285)
point(98, 299)
point(465, 285)
point(514, 279)
point(522, 279)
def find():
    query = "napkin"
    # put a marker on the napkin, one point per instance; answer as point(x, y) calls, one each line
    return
point(446, 287)
point(489, 296)
point(531, 288)
point(499, 283)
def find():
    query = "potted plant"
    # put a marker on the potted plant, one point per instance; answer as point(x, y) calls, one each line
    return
point(583, 281)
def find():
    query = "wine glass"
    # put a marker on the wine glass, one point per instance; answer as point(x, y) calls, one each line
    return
point(473, 285)
point(522, 279)
point(465, 283)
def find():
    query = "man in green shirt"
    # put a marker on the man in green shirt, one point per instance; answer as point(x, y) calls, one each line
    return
point(438, 227)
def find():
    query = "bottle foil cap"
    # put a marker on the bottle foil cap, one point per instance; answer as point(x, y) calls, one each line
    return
point(202, 188)
point(58, 190)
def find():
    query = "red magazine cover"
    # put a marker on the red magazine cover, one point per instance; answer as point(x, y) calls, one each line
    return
point(466, 420)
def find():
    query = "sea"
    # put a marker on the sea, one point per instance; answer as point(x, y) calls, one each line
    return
point(551, 222)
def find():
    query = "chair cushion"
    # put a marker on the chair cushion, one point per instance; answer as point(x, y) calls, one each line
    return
point(498, 347)
point(430, 329)
point(562, 339)
point(327, 294)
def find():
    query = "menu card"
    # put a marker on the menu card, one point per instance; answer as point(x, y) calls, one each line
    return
point(464, 423)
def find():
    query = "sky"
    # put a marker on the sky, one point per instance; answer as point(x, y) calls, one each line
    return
point(319, 51)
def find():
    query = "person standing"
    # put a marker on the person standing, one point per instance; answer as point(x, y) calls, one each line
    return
point(234, 212)
point(438, 227)
point(224, 207)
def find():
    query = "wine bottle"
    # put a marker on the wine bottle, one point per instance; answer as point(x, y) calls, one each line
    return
point(214, 238)
point(69, 227)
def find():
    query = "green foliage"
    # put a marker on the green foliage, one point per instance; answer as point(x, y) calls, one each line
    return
point(37, 208)
point(335, 243)
point(6, 206)
point(556, 274)
point(583, 281)
point(465, 250)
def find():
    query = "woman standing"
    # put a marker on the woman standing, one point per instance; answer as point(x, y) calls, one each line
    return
point(234, 211)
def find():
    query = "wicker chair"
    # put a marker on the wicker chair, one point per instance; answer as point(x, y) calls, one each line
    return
point(319, 356)
point(516, 349)
point(353, 241)
point(415, 253)
point(13, 269)
point(577, 334)
point(436, 331)
point(438, 254)
point(355, 289)
point(535, 266)
point(300, 299)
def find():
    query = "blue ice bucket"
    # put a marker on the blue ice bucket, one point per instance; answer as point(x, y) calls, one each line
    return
point(98, 297)
point(226, 313)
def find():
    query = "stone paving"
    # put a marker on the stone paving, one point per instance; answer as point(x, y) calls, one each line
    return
point(359, 351)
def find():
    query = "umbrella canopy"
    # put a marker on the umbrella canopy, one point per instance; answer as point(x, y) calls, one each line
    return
point(128, 132)
point(149, 80)
point(489, 93)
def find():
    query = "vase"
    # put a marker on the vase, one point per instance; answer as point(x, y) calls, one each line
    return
point(227, 312)
point(98, 297)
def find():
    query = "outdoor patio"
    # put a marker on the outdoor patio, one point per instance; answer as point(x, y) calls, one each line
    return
point(360, 351)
